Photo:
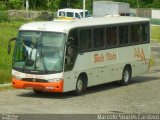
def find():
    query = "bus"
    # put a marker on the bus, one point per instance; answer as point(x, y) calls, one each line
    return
point(62, 56)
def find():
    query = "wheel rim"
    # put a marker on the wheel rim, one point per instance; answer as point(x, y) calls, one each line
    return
point(79, 85)
point(126, 76)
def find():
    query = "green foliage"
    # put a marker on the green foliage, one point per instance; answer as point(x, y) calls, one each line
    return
point(38, 4)
point(5, 88)
point(155, 33)
point(2, 6)
point(76, 4)
point(4, 16)
point(57, 4)
point(89, 5)
point(15, 4)
point(54, 5)
point(152, 61)
point(142, 3)
point(7, 31)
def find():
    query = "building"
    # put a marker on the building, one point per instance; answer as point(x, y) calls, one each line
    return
point(103, 8)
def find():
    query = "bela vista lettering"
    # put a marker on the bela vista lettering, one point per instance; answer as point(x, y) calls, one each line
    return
point(101, 57)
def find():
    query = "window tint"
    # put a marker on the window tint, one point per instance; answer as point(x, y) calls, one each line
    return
point(134, 33)
point(71, 50)
point(69, 14)
point(98, 38)
point(111, 36)
point(85, 40)
point(123, 35)
point(87, 14)
point(62, 13)
point(77, 16)
point(144, 33)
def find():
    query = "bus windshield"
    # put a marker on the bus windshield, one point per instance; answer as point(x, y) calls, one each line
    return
point(39, 52)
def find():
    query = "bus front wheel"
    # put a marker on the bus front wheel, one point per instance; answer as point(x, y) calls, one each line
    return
point(126, 76)
point(37, 91)
point(80, 86)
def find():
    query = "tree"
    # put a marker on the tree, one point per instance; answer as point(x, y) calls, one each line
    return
point(57, 4)
point(2, 5)
point(15, 4)
point(54, 4)
point(137, 3)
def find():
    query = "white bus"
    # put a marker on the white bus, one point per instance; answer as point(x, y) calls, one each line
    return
point(61, 56)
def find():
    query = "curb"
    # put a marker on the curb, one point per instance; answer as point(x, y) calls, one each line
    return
point(5, 85)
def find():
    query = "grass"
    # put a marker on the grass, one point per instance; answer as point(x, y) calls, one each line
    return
point(152, 62)
point(155, 37)
point(155, 33)
point(6, 88)
point(9, 30)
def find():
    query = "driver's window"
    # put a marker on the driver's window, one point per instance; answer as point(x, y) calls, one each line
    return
point(71, 50)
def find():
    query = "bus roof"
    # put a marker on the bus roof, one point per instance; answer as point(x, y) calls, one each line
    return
point(65, 26)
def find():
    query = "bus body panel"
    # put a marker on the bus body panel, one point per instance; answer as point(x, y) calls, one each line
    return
point(108, 69)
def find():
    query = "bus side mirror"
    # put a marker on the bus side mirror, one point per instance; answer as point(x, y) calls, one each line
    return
point(9, 44)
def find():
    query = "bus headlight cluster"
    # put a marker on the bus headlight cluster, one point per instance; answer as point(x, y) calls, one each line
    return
point(16, 77)
point(54, 80)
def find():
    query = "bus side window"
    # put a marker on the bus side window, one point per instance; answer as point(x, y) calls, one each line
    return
point(85, 40)
point(123, 35)
point(71, 50)
point(111, 36)
point(134, 33)
point(144, 30)
point(98, 38)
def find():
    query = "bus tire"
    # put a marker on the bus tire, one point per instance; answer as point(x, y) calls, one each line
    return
point(126, 76)
point(80, 86)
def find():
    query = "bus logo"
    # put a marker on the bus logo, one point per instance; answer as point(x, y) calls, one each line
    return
point(98, 58)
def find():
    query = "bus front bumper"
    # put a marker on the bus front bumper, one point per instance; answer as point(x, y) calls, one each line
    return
point(45, 87)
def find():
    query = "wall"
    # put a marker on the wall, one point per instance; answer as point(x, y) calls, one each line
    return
point(143, 12)
point(21, 14)
point(155, 13)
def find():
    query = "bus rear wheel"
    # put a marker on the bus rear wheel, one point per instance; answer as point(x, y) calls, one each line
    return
point(80, 86)
point(126, 76)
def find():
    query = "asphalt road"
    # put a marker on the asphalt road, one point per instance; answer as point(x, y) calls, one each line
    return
point(142, 96)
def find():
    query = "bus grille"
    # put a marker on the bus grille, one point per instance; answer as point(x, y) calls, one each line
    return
point(34, 80)
point(39, 87)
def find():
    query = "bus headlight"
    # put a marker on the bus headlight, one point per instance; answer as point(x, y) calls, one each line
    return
point(16, 77)
point(55, 80)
